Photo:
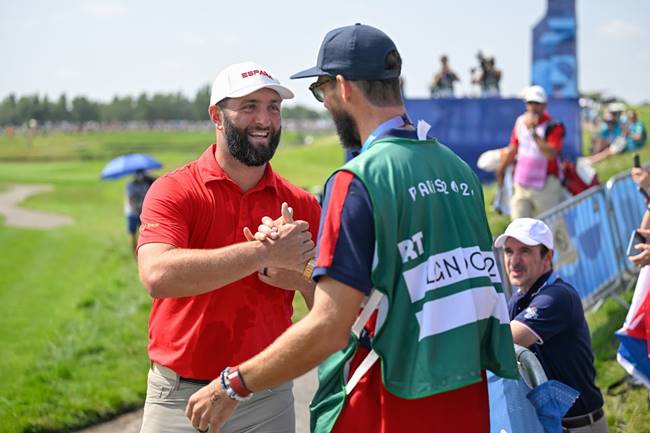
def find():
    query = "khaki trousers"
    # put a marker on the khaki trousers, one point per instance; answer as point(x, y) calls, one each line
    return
point(269, 411)
point(529, 202)
point(599, 426)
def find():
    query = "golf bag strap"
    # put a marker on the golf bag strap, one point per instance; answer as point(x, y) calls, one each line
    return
point(363, 368)
point(371, 305)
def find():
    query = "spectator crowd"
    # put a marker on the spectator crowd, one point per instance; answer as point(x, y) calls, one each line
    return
point(486, 76)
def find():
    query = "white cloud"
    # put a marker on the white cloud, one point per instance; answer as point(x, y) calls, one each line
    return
point(104, 10)
point(643, 55)
point(620, 30)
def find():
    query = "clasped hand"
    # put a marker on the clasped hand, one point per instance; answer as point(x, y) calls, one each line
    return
point(290, 245)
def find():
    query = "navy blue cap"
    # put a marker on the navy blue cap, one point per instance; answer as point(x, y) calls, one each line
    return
point(357, 52)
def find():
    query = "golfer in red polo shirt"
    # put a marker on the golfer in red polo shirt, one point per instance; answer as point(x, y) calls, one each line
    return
point(219, 297)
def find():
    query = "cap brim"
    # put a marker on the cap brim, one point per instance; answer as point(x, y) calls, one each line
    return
point(311, 72)
point(284, 92)
point(539, 101)
point(500, 241)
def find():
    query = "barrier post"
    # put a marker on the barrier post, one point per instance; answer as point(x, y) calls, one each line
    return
point(626, 208)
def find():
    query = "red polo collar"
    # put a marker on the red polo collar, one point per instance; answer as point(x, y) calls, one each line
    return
point(210, 170)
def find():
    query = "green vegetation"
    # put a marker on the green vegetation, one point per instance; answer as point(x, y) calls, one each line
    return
point(73, 315)
point(86, 146)
point(169, 107)
point(627, 410)
point(73, 319)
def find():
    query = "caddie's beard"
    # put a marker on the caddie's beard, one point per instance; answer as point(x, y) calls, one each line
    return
point(347, 129)
point(246, 152)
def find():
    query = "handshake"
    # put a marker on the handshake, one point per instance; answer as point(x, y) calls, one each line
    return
point(288, 250)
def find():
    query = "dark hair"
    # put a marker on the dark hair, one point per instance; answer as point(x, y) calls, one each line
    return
point(384, 93)
point(543, 250)
point(222, 104)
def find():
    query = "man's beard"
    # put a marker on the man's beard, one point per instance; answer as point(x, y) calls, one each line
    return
point(246, 152)
point(347, 129)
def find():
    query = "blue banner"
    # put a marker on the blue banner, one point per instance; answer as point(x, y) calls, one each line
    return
point(585, 254)
point(470, 126)
point(554, 64)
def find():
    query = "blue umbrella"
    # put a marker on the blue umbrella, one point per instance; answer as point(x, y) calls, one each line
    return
point(127, 164)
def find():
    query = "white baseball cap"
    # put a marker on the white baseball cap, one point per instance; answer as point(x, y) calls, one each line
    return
point(616, 107)
point(528, 231)
point(535, 94)
point(242, 79)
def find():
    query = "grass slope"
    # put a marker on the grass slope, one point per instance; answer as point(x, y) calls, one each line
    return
point(73, 315)
point(73, 322)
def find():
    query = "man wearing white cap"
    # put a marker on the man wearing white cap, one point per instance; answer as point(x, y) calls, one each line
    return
point(547, 317)
point(535, 144)
point(220, 296)
point(420, 366)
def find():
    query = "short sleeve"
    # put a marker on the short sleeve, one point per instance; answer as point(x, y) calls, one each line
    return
point(555, 137)
point(347, 233)
point(602, 130)
point(165, 214)
point(549, 312)
point(513, 137)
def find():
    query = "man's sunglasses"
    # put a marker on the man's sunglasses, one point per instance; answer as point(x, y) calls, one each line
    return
point(316, 89)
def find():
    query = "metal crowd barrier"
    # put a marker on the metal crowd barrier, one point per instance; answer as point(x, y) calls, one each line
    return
point(591, 232)
point(627, 207)
point(585, 246)
point(530, 369)
point(510, 409)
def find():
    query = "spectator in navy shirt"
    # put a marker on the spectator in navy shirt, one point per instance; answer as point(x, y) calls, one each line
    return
point(547, 317)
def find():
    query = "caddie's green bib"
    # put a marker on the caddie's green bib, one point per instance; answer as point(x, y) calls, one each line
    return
point(446, 317)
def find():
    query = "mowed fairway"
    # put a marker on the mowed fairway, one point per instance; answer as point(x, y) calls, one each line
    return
point(73, 315)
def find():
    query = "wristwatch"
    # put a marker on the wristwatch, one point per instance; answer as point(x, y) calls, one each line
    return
point(309, 269)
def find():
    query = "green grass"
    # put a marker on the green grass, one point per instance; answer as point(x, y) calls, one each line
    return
point(102, 145)
point(628, 410)
point(621, 162)
point(73, 315)
point(606, 169)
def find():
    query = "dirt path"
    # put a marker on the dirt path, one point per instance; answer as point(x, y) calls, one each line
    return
point(303, 389)
point(16, 216)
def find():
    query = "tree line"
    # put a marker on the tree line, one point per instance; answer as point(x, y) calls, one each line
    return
point(17, 111)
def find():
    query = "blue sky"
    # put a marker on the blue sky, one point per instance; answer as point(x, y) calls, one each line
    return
point(100, 48)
